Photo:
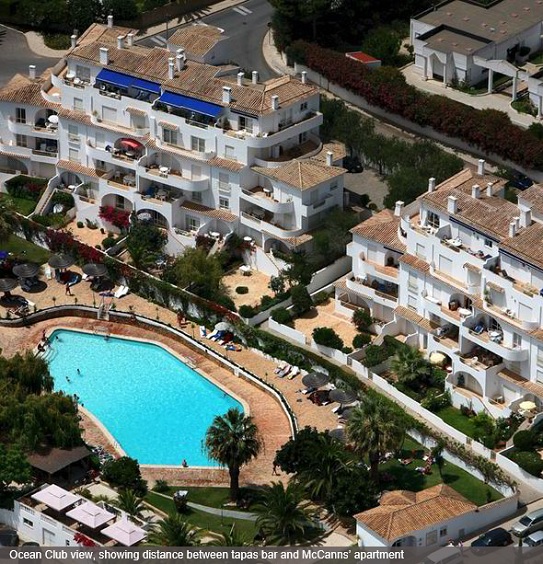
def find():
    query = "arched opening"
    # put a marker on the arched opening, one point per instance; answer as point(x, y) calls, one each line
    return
point(153, 217)
point(126, 147)
point(406, 541)
point(467, 382)
point(272, 244)
point(459, 301)
point(68, 179)
point(46, 119)
point(118, 202)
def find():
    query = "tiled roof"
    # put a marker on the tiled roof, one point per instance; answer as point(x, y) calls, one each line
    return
point(25, 91)
point(103, 34)
point(197, 39)
point(527, 244)
point(78, 168)
point(517, 379)
point(209, 212)
point(292, 242)
point(490, 215)
point(15, 155)
point(415, 262)
point(136, 111)
point(167, 125)
point(413, 316)
point(337, 149)
point(301, 174)
point(383, 228)
point(75, 115)
point(533, 197)
point(227, 164)
point(400, 513)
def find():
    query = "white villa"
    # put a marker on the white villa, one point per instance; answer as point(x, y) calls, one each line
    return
point(177, 136)
point(460, 272)
point(465, 41)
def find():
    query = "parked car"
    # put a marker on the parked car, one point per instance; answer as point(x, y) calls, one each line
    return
point(447, 555)
point(533, 540)
point(8, 537)
point(519, 180)
point(528, 524)
point(352, 164)
point(495, 537)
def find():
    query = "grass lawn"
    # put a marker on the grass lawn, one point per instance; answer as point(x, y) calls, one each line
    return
point(21, 205)
point(32, 252)
point(407, 478)
point(211, 497)
point(455, 419)
point(203, 520)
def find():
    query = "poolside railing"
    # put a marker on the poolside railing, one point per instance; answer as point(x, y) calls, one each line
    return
point(120, 316)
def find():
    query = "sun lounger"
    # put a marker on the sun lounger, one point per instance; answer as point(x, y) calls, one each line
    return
point(48, 272)
point(218, 336)
point(285, 371)
point(280, 367)
point(294, 372)
point(232, 347)
point(213, 333)
point(121, 291)
point(309, 391)
point(203, 331)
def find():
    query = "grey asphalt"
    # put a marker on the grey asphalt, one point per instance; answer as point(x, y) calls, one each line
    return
point(247, 24)
point(15, 56)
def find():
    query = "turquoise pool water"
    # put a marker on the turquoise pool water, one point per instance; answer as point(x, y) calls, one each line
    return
point(157, 408)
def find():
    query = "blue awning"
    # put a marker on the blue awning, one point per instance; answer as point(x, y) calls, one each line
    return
point(186, 103)
point(125, 81)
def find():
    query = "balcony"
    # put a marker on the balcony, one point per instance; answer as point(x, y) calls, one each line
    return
point(173, 177)
point(387, 272)
point(328, 202)
point(509, 316)
point(306, 149)
point(264, 223)
point(493, 341)
point(183, 152)
point(49, 155)
point(381, 292)
point(263, 198)
point(457, 245)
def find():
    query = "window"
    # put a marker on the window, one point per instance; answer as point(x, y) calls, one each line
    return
point(224, 203)
point(229, 153)
point(224, 182)
point(198, 144)
point(432, 220)
point(73, 155)
point(412, 283)
point(333, 186)
point(197, 197)
point(420, 251)
point(100, 140)
point(20, 115)
point(488, 242)
point(21, 140)
point(73, 133)
point(431, 538)
point(517, 341)
point(78, 104)
point(540, 358)
point(303, 106)
point(28, 522)
point(412, 302)
point(169, 136)
point(119, 202)
point(82, 73)
point(192, 223)
point(246, 123)
point(443, 532)
point(109, 114)
point(494, 325)
point(302, 138)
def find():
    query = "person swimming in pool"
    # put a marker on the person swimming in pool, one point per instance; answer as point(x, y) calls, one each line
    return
point(79, 372)
point(68, 380)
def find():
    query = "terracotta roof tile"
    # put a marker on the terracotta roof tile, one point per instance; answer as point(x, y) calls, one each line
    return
point(415, 262)
point(227, 164)
point(533, 197)
point(527, 244)
point(517, 379)
point(429, 507)
point(136, 111)
point(209, 212)
point(25, 91)
point(337, 149)
point(383, 228)
point(79, 169)
point(197, 39)
point(292, 242)
point(413, 316)
point(301, 174)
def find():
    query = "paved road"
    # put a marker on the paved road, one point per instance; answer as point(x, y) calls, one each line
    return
point(15, 56)
point(247, 23)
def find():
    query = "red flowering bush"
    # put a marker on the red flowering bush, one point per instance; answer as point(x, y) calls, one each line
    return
point(81, 539)
point(118, 218)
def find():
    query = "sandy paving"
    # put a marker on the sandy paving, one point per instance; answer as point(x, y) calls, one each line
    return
point(257, 283)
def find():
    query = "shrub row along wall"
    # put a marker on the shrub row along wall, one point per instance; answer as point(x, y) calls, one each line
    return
point(489, 131)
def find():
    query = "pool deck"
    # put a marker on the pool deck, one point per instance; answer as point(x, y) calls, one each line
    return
point(268, 415)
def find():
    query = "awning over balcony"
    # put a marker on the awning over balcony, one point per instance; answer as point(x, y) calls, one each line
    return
point(125, 81)
point(191, 104)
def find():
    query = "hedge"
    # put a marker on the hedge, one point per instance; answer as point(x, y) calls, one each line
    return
point(491, 131)
point(26, 187)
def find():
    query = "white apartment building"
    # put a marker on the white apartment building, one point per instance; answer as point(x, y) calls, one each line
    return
point(460, 272)
point(177, 136)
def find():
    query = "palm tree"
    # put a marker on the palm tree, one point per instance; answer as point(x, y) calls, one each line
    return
point(375, 427)
point(283, 515)
point(411, 368)
point(230, 538)
point(233, 440)
point(128, 501)
point(437, 455)
point(173, 530)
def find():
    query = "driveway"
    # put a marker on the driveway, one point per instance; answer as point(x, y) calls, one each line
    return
point(15, 56)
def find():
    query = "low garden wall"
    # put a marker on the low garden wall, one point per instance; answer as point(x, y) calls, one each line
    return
point(287, 332)
point(516, 472)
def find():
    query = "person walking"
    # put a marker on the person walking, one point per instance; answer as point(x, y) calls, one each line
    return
point(68, 290)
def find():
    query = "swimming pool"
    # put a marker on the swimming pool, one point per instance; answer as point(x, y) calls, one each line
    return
point(156, 407)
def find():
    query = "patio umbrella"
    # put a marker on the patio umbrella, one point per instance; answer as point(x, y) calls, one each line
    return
point(343, 397)
point(131, 144)
point(437, 358)
point(60, 260)
point(95, 270)
point(527, 405)
point(26, 270)
point(7, 284)
point(315, 379)
point(53, 119)
point(144, 216)
point(346, 413)
point(338, 434)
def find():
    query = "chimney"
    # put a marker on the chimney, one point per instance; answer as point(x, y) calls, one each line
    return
point(120, 41)
point(254, 74)
point(171, 68)
point(226, 95)
point(329, 158)
point(476, 191)
point(304, 77)
point(398, 208)
point(512, 228)
point(130, 40)
point(517, 221)
point(240, 78)
point(73, 41)
point(181, 53)
point(104, 56)
point(525, 218)
point(32, 72)
point(452, 205)
point(489, 189)
point(179, 62)
point(481, 167)
point(431, 184)
point(110, 21)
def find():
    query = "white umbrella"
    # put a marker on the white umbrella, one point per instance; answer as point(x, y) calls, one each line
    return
point(91, 515)
point(56, 498)
point(53, 119)
point(437, 358)
point(145, 216)
point(124, 532)
point(527, 406)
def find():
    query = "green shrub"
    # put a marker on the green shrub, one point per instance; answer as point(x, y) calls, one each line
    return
point(531, 462)
point(247, 311)
point(57, 41)
point(91, 224)
point(301, 300)
point(523, 440)
point(64, 199)
point(80, 224)
point(435, 401)
point(327, 337)
point(266, 302)
point(362, 319)
point(321, 297)
point(361, 340)
point(108, 242)
point(226, 301)
point(26, 187)
point(347, 350)
point(375, 354)
point(161, 486)
point(281, 315)
point(242, 290)
point(125, 473)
